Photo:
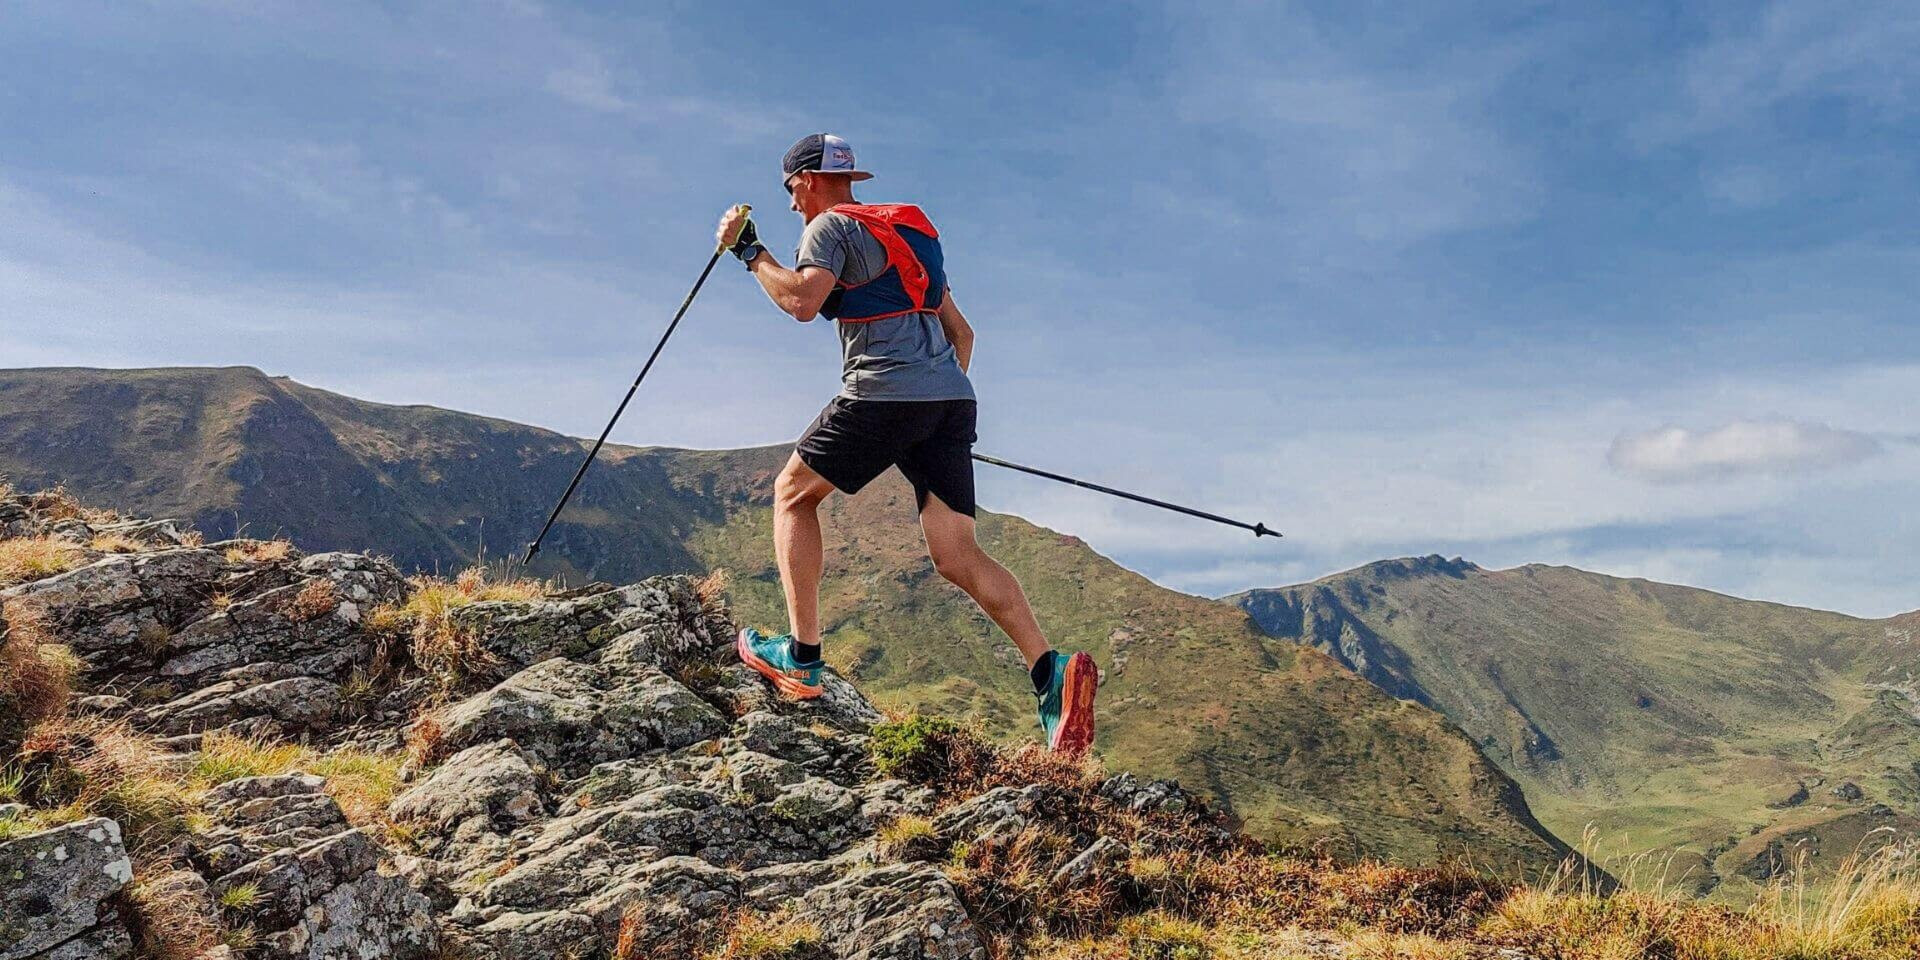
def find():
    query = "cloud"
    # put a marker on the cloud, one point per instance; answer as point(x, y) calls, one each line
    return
point(1677, 454)
point(588, 84)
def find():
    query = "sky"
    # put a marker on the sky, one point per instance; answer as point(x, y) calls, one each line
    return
point(1626, 286)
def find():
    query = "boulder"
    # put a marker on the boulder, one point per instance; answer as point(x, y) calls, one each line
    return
point(56, 889)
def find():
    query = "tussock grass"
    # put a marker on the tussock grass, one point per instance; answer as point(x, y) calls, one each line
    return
point(363, 782)
point(36, 678)
point(315, 600)
point(435, 643)
point(171, 917)
point(116, 543)
point(257, 551)
point(905, 836)
point(774, 936)
point(23, 559)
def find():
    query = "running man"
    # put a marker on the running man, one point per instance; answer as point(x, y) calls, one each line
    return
point(905, 401)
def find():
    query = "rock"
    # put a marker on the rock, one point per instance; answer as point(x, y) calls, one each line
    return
point(895, 912)
point(1792, 796)
point(490, 788)
point(1096, 860)
point(117, 612)
point(1848, 790)
point(572, 715)
point(319, 890)
point(312, 624)
point(55, 890)
point(1156, 796)
point(658, 623)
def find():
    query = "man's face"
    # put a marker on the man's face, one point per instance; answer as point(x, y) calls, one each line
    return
point(798, 187)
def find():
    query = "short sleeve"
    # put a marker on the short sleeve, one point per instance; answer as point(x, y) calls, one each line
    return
point(824, 244)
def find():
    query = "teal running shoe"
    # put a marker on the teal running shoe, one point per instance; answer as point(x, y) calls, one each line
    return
point(1066, 709)
point(773, 657)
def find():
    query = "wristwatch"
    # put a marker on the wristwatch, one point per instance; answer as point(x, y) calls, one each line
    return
point(748, 252)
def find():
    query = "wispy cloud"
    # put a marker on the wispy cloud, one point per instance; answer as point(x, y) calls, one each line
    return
point(1671, 454)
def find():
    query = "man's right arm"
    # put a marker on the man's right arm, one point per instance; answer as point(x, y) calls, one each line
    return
point(799, 293)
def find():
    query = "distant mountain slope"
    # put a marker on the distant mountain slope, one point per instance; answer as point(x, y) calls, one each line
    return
point(1296, 743)
point(1664, 715)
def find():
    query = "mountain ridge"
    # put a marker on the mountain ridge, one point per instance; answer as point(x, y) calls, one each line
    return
point(1672, 716)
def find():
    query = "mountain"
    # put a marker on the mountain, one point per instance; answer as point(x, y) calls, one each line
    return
point(1290, 740)
point(1739, 731)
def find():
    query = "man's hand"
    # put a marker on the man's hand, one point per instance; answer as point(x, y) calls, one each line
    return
point(736, 225)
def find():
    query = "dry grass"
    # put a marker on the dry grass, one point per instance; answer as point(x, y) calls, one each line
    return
point(436, 644)
point(426, 739)
point(170, 916)
point(258, 551)
point(905, 837)
point(775, 936)
point(31, 558)
point(318, 598)
point(36, 678)
point(57, 504)
point(363, 782)
point(712, 592)
point(117, 543)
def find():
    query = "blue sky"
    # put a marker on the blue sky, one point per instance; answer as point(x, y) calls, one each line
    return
point(1626, 286)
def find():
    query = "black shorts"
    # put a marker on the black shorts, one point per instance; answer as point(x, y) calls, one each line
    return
point(931, 441)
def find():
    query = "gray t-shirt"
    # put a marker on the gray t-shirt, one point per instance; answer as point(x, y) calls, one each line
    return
point(897, 358)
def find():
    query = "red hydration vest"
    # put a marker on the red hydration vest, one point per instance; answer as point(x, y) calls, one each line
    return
point(915, 278)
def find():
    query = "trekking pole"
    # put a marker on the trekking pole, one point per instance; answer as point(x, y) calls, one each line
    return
point(534, 547)
point(1259, 529)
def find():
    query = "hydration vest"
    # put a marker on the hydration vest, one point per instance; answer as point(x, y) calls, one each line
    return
point(915, 278)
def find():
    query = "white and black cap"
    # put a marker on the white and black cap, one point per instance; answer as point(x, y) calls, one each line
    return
point(823, 152)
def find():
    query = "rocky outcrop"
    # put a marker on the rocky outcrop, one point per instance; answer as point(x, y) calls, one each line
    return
point(597, 773)
point(314, 886)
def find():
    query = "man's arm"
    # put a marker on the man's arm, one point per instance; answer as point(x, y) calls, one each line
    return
point(959, 332)
point(799, 293)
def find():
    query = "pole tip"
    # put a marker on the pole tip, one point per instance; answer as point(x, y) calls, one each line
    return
point(532, 548)
point(1260, 530)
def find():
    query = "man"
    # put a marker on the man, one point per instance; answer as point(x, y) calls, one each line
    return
point(905, 401)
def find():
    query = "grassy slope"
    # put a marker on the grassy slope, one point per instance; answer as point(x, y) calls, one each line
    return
point(1301, 747)
point(1664, 716)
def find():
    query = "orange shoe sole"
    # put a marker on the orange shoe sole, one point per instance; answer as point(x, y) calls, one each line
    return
point(781, 681)
point(1075, 732)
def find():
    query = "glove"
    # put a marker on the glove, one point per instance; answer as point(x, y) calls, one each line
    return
point(748, 246)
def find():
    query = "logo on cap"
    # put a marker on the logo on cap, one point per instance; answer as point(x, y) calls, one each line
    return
point(839, 155)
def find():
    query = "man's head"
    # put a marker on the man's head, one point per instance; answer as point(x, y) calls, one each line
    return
point(819, 171)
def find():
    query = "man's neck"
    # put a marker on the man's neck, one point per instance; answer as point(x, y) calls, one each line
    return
point(830, 204)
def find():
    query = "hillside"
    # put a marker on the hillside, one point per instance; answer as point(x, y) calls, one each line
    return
point(1287, 738)
point(1665, 716)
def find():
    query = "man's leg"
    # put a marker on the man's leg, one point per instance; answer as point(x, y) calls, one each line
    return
point(958, 557)
point(797, 493)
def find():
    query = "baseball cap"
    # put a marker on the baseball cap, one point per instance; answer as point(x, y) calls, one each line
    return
point(823, 152)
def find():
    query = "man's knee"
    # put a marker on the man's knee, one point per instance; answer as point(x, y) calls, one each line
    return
point(960, 565)
point(799, 488)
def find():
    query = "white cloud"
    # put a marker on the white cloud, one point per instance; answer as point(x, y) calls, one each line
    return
point(588, 84)
point(1671, 453)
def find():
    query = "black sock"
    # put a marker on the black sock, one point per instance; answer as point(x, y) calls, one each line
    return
point(1042, 673)
point(806, 652)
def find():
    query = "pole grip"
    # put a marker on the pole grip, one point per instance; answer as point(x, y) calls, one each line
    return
point(746, 214)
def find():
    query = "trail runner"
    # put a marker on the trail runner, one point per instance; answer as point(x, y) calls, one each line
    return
point(876, 270)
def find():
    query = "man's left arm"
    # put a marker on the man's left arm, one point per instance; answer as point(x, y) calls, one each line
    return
point(798, 293)
point(959, 333)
